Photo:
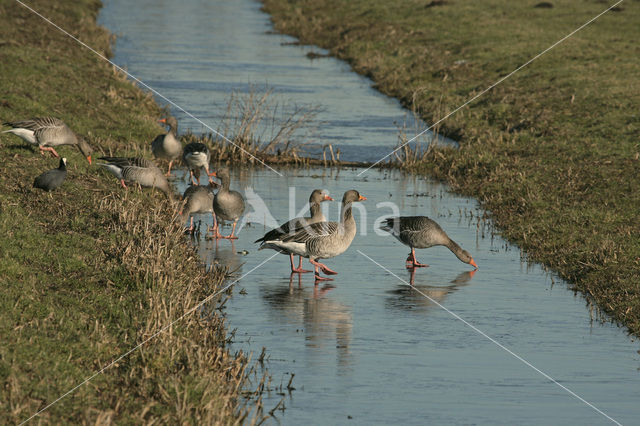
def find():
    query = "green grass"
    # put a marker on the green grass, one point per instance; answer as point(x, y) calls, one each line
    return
point(89, 271)
point(552, 152)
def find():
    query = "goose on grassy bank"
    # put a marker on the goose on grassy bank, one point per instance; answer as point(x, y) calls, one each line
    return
point(228, 205)
point(47, 133)
point(321, 240)
point(138, 170)
point(51, 179)
point(167, 146)
point(196, 155)
point(316, 197)
point(422, 232)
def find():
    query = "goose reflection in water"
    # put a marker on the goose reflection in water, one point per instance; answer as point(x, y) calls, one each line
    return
point(222, 253)
point(412, 297)
point(326, 323)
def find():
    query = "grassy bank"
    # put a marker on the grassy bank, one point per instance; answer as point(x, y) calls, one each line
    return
point(92, 270)
point(553, 152)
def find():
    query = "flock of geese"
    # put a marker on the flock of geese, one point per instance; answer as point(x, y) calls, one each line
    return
point(312, 237)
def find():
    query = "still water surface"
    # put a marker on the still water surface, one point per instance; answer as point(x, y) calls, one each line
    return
point(366, 348)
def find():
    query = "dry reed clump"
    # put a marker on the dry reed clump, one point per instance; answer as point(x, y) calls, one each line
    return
point(186, 366)
point(260, 126)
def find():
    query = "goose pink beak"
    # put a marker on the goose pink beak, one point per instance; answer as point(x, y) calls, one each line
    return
point(473, 263)
point(327, 198)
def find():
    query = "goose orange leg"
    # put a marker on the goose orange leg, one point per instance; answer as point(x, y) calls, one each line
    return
point(412, 262)
point(169, 171)
point(299, 269)
point(324, 269)
point(50, 149)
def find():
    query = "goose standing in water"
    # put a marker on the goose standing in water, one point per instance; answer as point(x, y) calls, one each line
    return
point(138, 170)
point(317, 197)
point(51, 179)
point(322, 240)
point(167, 146)
point(47, 133)
point(198, 199)
point(227, 205)
point(422, 232)
point(196, 155)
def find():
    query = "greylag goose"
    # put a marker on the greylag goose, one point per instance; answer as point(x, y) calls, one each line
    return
point(51, 179)
point(47, 133)
point(138, 170)
point(196, 155)
point(316, 197)
point(322, 240)
point(197, 199)
point(422, 232)
point(167, 146)
point(227, 205)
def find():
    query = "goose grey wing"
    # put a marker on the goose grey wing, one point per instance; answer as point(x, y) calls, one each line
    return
point(281, 230)
point(129, 162)
point(306, 232)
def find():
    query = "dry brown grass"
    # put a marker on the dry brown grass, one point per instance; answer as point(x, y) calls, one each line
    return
point(261, 127)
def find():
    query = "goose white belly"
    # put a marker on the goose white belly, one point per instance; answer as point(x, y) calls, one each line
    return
point(24, 134)
point(291, 247)
point(196, 159)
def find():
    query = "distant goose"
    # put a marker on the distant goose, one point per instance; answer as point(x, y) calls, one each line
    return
point(196, 155)
point(317, 197)
point(197, 199)
point(138, 170)
point(47, 133)
point(167, 146)
point(51, 179)
point(227, 205)
point(322, 240)
point(422, 232)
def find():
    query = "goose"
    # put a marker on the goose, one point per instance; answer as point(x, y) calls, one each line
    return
point(197, 199)
point(167, 146)
point(51, 179)
point(137, 170)
point(196, 155)
point(321, 240)
point(316, 197)
point(422, 232)
point(227, 205)
point(47, 133)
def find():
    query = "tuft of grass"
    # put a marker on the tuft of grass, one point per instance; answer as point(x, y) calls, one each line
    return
point(262, 127)
point(552, 152)
point(91, 270)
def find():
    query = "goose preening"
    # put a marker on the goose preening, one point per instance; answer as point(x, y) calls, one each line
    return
point(317, 197)
point(138, 170)
point(196, 155)
point(422, 232)
point(167, 146)
point(197, 199)
point(321, 240)
point(51, 179)
point(227, 205)
point(47, 133)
